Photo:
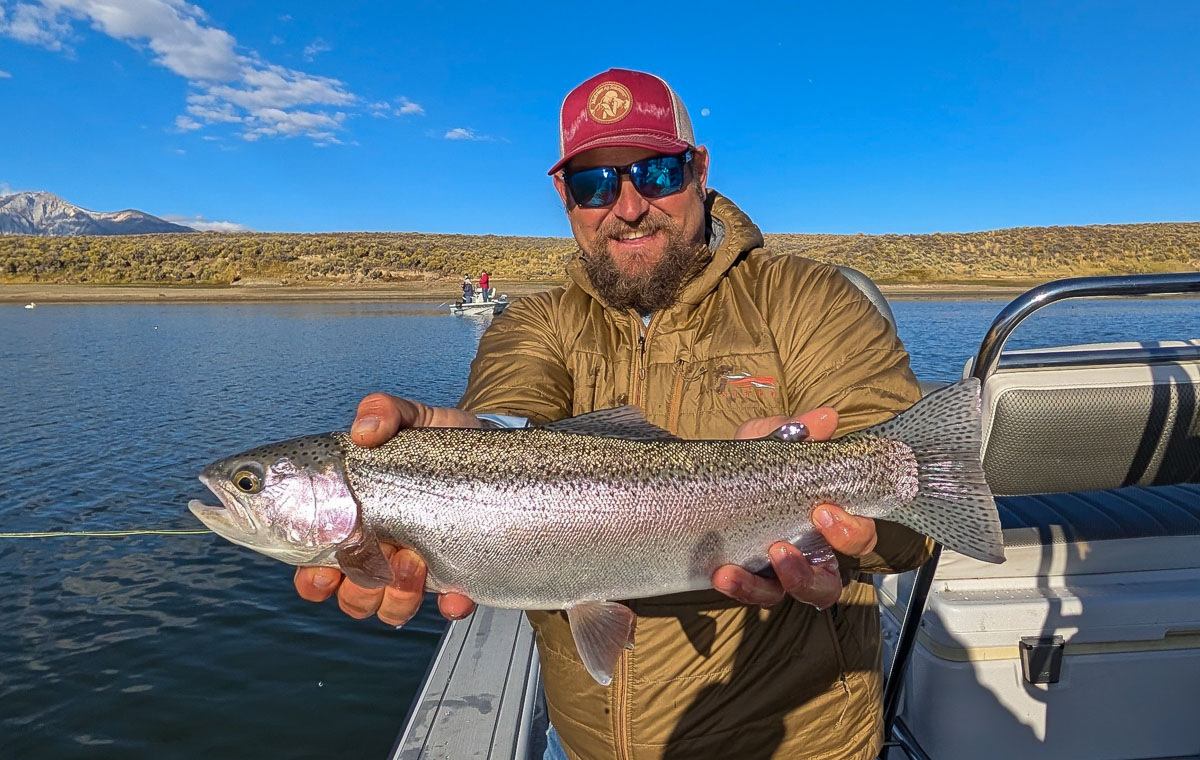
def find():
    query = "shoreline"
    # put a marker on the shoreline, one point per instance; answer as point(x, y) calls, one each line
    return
point(45, 294)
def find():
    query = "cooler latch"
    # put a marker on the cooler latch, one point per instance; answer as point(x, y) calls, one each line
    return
point(1041, 658)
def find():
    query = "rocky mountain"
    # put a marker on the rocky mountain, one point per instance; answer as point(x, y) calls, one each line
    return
point(41, 213)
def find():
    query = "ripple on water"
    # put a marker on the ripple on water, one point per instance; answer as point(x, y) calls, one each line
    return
point(187, 646)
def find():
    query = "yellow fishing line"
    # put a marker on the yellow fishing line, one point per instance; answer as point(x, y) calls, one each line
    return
point(104, 533)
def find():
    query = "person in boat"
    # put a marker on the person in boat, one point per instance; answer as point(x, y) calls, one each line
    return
point(672, 300)
point(468, 291)
point(483, 285)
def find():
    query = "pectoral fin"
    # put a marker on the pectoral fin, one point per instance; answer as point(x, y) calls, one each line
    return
point(364, 563)
point(601, 630)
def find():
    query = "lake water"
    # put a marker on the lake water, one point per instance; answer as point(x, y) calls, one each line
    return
point(188, 646)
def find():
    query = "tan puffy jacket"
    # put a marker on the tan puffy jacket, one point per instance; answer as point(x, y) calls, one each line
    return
point(754, 334)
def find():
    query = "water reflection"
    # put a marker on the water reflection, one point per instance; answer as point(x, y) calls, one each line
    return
point(141, 645)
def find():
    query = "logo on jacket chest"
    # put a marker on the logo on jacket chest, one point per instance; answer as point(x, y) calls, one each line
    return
point(732, 383)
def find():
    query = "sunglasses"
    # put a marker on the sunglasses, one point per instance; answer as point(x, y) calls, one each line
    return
point(653, 178)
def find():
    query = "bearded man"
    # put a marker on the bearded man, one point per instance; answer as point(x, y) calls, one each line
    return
point(673, 305)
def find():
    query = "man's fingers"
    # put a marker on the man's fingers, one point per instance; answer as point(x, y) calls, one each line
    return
point(817, 425)
point(746, 587)
point(358, 602)
point(379, 417)
point(821, 422)
point(846, 533)
point(316, 584)
point(402, 599)
point(818, 584)
point(455, 606)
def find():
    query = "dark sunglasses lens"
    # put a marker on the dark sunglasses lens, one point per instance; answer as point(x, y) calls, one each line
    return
point(656, 177)
point(593, 188)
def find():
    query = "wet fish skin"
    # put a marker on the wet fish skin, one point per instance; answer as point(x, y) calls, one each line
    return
point(536, 519)
point(570, 517)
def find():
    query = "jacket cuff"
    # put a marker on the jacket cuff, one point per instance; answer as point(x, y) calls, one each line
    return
point(498, 421)
point(897, 550)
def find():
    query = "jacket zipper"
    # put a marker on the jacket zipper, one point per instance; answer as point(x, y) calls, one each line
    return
point(829, 616)
point(620, 709)
point(620, 684)
point(638, 365)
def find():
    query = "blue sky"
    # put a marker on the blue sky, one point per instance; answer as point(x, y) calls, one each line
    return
point(821, 117)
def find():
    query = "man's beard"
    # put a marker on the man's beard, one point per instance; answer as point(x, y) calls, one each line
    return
point(651, 290)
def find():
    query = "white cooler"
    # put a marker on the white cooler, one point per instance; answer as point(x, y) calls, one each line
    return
point(1115, 575)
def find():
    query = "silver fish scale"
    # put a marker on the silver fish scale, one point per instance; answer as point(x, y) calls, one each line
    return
point(535, 519)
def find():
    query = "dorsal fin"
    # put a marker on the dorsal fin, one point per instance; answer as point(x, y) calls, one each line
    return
point(626, 422)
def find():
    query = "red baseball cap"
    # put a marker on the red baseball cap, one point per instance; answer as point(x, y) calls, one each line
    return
point(622, 108)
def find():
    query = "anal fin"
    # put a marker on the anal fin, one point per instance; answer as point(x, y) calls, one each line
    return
point(601, 630)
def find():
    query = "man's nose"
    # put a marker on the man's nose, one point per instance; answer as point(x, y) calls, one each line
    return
point(630, 205)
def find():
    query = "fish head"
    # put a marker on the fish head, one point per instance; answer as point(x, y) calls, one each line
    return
point(286, 500)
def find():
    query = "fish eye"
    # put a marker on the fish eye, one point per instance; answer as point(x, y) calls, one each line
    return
point(247, 481)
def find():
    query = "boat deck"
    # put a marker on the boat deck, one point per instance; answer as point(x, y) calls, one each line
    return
point(482, 696)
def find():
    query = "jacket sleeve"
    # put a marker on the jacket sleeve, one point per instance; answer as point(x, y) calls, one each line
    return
point(519, 368)
point(838, 350)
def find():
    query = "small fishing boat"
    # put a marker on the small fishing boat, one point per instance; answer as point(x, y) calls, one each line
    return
point(1084, 645)
point(479, 306)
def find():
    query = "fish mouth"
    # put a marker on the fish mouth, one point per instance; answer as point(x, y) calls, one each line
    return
point(229, 519)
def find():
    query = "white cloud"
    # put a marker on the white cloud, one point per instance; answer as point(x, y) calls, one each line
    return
point(6, 189)
point(277, 87)
point(406, 107)
point(272, 122)
point(276, 39)
point(464, 133)
point(4, 74)
point(206, 225)
point(315, 48)
point(228, 86)
point(36, 25)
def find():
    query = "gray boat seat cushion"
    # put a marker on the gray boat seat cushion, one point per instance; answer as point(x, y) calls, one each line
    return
point(871, 290)
point(1096, 424)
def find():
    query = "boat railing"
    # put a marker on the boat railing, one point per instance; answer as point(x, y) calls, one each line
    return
point(988, 361)
point(482, 694)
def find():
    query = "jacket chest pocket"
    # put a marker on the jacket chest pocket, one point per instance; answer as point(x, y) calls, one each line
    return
point(712, 397)
point(598, 382)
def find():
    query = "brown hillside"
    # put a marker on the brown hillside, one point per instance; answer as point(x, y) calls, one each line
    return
point(1023, 253)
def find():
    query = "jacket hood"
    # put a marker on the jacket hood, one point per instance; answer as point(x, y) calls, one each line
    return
point(726, 223)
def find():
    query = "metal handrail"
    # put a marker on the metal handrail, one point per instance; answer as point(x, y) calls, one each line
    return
point(1075, 287)
point(985, 365)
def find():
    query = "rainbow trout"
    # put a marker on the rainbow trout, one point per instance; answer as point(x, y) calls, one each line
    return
point(602, 507)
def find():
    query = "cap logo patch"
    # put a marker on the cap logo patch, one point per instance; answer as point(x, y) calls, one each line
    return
point(609, 102)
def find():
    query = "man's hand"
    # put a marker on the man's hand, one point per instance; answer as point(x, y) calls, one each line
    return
point(817, 582)
point(380, 417)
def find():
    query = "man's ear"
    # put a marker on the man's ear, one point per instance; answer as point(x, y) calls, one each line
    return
point(700, 165)
point(561, 187)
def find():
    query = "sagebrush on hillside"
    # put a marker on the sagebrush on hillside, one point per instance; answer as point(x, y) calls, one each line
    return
point(225, 258)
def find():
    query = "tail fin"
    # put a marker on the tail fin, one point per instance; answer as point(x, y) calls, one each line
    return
point(954, 504)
